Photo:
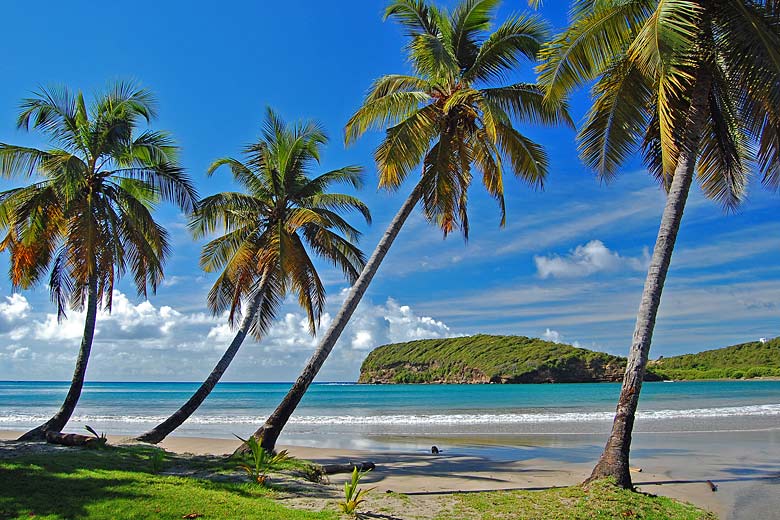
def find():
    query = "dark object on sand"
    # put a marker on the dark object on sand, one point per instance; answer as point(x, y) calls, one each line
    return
point(434, 450)
point(330, 469)
point(74, 439)
point(713, 487)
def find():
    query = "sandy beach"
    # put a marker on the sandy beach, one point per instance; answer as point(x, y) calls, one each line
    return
point(744, 465)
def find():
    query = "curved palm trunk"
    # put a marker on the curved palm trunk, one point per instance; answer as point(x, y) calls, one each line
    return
point(162, 430)
point(60, 419)
point(269, 432)
point(614, 460)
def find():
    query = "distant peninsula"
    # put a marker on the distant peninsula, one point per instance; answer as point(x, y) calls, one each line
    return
point(483, 359)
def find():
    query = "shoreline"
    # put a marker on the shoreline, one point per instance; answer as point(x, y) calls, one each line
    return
point(744, 465)
point(358, 383)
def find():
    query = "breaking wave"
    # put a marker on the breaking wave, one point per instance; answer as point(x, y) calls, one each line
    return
point(421, 419)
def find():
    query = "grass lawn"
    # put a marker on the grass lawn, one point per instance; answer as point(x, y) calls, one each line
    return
point(126, 483)
point(600, 500)
point(121, 483)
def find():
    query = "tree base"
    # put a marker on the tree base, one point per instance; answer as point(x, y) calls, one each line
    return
point(36, 434)
point(149, 437)
point(617, 471)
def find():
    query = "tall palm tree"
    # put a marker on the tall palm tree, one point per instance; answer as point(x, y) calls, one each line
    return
point(87, 218)
point(263, 254)
point(696, 85)
point(447, 116)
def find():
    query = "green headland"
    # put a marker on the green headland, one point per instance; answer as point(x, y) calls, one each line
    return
point(518, 359)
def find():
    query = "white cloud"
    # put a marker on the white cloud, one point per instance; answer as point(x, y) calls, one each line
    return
point(362, 340)
point(143, 341)
point(556, 337)
point(15, 307)
point(588, 259)
point(552, 335)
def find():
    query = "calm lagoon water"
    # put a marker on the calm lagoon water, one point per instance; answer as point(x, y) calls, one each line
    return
point(343, 414)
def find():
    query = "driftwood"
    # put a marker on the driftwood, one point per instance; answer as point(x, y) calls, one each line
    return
point(330, 469)
point(74, 439)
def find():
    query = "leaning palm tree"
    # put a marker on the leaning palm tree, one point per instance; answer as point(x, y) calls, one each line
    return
point(449, 118)
point(87, 218)
point(696, 85)
point(263, 254)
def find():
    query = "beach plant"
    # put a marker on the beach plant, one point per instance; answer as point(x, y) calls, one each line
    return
point(261, 460)
point(157, 460)
point(695, 85)
point(86, 217)
point(100, 440)
point(269, 229)
point(353, 494)
point(452, 116)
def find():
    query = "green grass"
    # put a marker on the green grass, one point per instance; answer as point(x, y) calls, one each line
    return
point(743, 361)
point(601, 500)
point(119, 483)
point(496, 358)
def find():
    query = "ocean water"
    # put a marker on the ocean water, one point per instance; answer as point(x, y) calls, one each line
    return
point(333, 412)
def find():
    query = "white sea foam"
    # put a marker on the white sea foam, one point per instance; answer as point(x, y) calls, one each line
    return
point(423, 419)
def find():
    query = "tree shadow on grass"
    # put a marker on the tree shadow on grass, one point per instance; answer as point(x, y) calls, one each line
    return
point(65, 483)
point(28, 490)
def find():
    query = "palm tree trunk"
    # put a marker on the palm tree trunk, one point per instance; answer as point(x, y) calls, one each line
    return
point(614, 460)
point(60, 419)
point(162, 430)
point(269, 432)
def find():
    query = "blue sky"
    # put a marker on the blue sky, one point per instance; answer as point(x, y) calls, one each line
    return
point(569, 266)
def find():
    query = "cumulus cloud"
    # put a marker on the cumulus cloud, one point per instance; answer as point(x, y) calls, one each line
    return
point(588, 259)
point(139, 340)
point(557, 337)
point(13, 317)
point(14, 307)
point(552, 335)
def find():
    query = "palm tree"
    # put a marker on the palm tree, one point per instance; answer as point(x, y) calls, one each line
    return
point(447, 117)
point(263, 255)
point(89, 217)
point(696, 84)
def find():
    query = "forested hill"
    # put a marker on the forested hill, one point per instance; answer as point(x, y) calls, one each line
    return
point(747, 360)
point(489, 359)
point(517, 359)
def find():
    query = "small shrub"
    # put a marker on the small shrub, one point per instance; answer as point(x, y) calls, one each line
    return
point(313, 473)
point(157, 461)
point(100, 440)
point(261, 460)
point(353, 495)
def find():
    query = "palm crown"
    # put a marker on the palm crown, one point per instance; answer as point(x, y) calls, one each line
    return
point(648, 56)
point(89, 216)
point(447, 117)
point(268, 228)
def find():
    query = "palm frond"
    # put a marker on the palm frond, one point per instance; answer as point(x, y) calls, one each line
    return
point(20, 160)
point(384, 111)
point(721, 168)
point(517, 38)
point(595, 37)
point(404, 146)
point(528, 159)
point(415, 15)
point(527, 103)
point(469, 20)
point(616, 122)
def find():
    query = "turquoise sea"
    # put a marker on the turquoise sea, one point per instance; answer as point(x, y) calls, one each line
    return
point(332, 413)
